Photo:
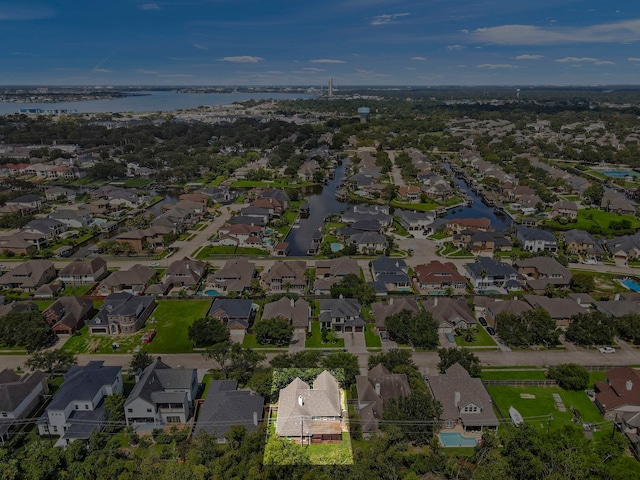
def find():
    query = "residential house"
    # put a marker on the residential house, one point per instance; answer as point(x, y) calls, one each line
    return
point(47, 227)
point(23, 243)
point(29, 276)
point(368, 242)
point(296, 312)
point(625, 248)
point(19, 396)
point(286, 276)
point(77, 408)
point(162, 395)
point(28, 203)
point(133, 281)
point(218, 194)
point(392, 273)
point(142, 239)
point(619, 394)
point(465, 401)
point(383, 310)
point(48, 290)
point(235, 313)
point(330, 272)
point(457, 225)
point(57, 193)
point(67, 315)
point(241, 235)
point(307, 170)
point(72, 218)
point(450, 313)
point(416, 221)
point(84, 272)
point(375, 390)
point(341, 314)
point(225, 406)
point(565, 209)
point(536, 240)
point(579, 242)
point(493, 308)
point(437, 278)
point(122, 312)
point(620, 306)
point(559, 309)
point(615, 202)
point(17, 307)
point(185, 272)
point(482, 243)
point(409, 193)
point(538, 272)
point(235, 276)
point(486, 273)
point(310, 415)
point(380, 213)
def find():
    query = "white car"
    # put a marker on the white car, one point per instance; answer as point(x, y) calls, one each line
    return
point(607, 350)
point(154, 264)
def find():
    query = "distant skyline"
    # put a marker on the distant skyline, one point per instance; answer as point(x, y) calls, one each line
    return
point(287, 42)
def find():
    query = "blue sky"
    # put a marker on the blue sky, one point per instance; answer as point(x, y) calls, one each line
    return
point(303, 42)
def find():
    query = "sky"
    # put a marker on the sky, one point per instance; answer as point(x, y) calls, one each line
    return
point(304, 42)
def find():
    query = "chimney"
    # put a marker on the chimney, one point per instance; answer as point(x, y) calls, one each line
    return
point(616, 297)
point(293, 303)
point(457, 398)
point(378, 389)
point(629, 385)
point(300, 401)
point(255, 418)
point(435, 301)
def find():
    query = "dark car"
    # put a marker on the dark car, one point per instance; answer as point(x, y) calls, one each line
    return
point(483, 321)
point(491, 331)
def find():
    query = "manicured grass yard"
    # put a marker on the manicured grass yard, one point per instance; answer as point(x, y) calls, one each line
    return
point(482, 339)
point(172, 320)
point(371, 339)
point(513, 375)
point(591, 218)
point(76, 291)
point(315, 341)
point(331, 454)
point(543, 404)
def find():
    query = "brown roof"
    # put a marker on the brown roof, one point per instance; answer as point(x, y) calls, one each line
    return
point(482, 222)
point(382, 311)
point(437, 272)
point(296, 311)
point(81, 267)
point(449, 311)
point(621, 388)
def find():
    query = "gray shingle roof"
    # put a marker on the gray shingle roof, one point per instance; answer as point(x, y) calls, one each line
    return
point(83, 383)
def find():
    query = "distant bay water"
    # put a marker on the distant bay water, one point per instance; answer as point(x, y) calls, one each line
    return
point(151, 101)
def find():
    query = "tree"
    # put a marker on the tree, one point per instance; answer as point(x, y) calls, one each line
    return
point(220, 353)
point(391, 359)
point(628, 327)
point(465, 357)
point(582, 283)
point(570, 376)
point(593, 193)
point(140, 361)
point(352, 286)
point(273, 330)
point(533, 327)
point(593, 328)
point(303, 359)
point(51, 360)
point(114, 405)
point(344, 366)
point(208, 331)
point(280, 451)
point(416, 414)
point(418, 329)
point(25, 329)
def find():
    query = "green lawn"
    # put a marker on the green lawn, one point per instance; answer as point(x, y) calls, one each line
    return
point(543, 405)
point(137, 182)
point(172, 320)
point(371, 339)
point(331, 454)
point(482, 339)
point(43, 304)
point(420, 207)
point(270, 183)
point(595, 221)
point(76, 291)
point(315, 341)
point(250, 341)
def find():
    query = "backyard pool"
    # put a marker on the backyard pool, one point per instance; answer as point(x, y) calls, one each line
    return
point(455, 439)
point(631, 285)
point(618, 173)
point(336, 247)
point(211, 293)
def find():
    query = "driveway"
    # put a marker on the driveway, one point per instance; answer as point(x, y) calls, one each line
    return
point(354, 342)
point(297, 342)
point(237, 336)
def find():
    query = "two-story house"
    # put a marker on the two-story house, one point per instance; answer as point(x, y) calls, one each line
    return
point(341, 314)
point(286, 276)
point(81, 272)
point(162, 395)
point(122, 312)
point(536, 240)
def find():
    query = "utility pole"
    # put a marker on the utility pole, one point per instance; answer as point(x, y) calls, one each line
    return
point(549, 423)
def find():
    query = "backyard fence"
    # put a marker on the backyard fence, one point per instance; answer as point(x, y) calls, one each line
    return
point(520, 383)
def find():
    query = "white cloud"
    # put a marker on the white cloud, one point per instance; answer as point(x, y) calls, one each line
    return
point(595, 61)
point(101, 70)
point(242, 59)
point(451, 48)
point(149, 6)
point(418, 58)
point(146, 72)
point(327, 60)
point(311, 70)
point(495, 66)
point(529, 57)
point(634, 59)
point(624, 31)
point(386, 19)
point(198, 46)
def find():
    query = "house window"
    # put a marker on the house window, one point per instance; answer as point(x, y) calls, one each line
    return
point(130, 410)
point(86, 407)
point(173, 419)
point(77, 407)
point(449, 424)
point(148, 410)
point(4, 414)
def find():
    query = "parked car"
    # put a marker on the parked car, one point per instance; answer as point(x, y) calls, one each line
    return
point(607, 350)
point(591, 394)
point(589, 261)
point(154, 264)
point(450, 337)
point(483, 321)
point(148, 335)
point(491, 331)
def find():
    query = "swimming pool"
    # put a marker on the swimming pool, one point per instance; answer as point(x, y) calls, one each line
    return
point(631, 285)
point(618, 173)
point(455, 439)
point(211, 293)
point(336, 247)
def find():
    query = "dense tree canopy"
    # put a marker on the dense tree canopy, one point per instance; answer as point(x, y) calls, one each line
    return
point(593, 328)
point(417, 329)
point(208, 331)
point(465, 357)
point(533, 327)
point(24, 329)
